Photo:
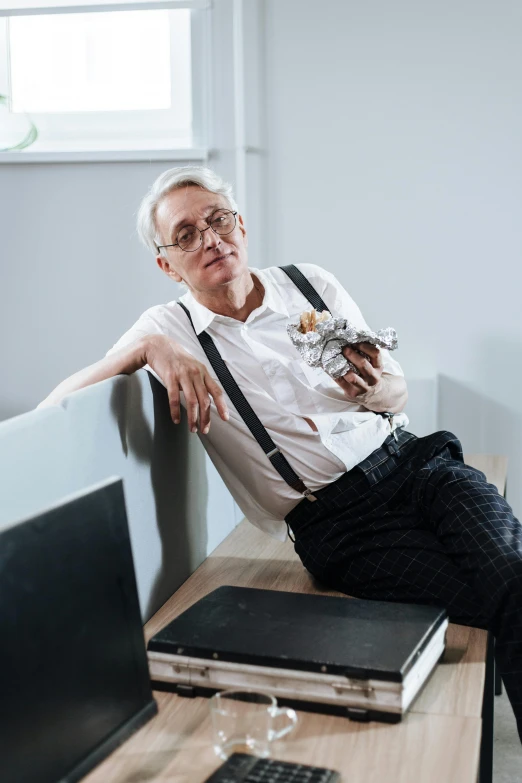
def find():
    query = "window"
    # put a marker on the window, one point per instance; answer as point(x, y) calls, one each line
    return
point(120, 80)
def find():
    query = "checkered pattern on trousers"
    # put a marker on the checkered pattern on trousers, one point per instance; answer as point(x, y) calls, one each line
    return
point(413, 523)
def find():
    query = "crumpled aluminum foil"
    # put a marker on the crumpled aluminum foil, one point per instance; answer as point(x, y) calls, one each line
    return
point(323, 348)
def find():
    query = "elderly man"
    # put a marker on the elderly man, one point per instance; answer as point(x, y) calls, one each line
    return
point(375, 511)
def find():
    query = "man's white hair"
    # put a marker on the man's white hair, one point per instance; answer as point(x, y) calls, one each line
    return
point(170, 180)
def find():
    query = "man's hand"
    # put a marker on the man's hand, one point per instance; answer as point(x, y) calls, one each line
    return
point(368, 360)
point(179, 371)
point(372, 389)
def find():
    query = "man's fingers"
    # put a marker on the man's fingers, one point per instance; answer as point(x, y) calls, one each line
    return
point(218, 396)
point(203, 404)
point(180, 372)
point(198, 388)
point(371, 352)
point(370, 373)
point(353, 385)
point(191, 400)
point(350, 390)
point(205, 388)
point(173, 392)
point(374, 354)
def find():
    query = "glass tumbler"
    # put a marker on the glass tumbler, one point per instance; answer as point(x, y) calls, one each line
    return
point(246, 721)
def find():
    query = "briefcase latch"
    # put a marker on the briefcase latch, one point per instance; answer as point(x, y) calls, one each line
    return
point(192, 671)
point(352, 687)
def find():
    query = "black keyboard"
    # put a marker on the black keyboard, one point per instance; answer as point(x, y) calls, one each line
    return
point(242, 768)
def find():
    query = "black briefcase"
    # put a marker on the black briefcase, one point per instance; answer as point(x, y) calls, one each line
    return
point(364, 659)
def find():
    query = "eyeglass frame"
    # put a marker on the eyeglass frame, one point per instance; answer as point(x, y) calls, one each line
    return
point(209, 221)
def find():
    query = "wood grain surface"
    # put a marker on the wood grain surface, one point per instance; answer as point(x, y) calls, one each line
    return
point(493, 466)
point(249, 558)
point(438, 740)
point(176, 747)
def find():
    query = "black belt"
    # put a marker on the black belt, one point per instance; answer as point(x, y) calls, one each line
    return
point(391, 447)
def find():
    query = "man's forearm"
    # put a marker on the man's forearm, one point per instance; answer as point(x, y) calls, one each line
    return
point(390, 394)
point(125, 361)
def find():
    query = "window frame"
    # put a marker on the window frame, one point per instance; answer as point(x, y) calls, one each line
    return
point(106, 145)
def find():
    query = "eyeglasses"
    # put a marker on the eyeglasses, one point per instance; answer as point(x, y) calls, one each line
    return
point(190, 238)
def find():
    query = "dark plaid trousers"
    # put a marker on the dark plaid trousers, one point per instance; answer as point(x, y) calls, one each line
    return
point(413, 523)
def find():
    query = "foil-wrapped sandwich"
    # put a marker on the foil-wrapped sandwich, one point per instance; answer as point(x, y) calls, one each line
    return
point(320, 340)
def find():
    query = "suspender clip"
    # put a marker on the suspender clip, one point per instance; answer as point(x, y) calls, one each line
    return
point(393, 428)
point(301, 487)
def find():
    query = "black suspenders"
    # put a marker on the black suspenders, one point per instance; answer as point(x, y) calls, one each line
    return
point(305, 286)
point(239, 400)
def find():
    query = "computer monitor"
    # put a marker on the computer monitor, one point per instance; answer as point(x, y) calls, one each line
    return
point(74, 680)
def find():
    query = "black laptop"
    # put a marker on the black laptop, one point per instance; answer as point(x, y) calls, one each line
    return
point(74, 680)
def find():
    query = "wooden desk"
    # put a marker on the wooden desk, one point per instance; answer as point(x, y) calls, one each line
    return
point(493, 465)
point(437, 742)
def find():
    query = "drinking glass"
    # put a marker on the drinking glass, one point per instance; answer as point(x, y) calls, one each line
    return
point(246, 721)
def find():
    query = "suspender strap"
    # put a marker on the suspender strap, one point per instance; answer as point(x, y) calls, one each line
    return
point(248, 414)
point(304, 285)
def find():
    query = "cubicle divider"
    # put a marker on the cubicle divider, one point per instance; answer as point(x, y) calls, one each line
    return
point(178, 508)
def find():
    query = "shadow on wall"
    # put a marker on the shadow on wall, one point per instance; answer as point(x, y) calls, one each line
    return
point(178, 479)
point(484, 425)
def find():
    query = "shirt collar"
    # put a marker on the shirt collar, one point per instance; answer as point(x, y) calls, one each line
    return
point(202, 317)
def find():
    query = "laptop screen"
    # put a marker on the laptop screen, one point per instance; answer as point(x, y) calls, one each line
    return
point(74, 678)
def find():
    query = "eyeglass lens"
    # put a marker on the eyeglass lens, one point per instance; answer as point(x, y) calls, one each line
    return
point(190, 237)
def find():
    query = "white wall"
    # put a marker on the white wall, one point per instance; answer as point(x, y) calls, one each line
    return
point(393, 127)
point(73, 276)
point(394, 160)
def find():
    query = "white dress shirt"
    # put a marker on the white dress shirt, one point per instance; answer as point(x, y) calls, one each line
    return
point(282, 390)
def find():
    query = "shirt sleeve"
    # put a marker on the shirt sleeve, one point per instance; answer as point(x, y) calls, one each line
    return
point(341, 304)
point(141, 328)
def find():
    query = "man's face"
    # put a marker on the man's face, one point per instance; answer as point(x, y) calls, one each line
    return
point(220, 258)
